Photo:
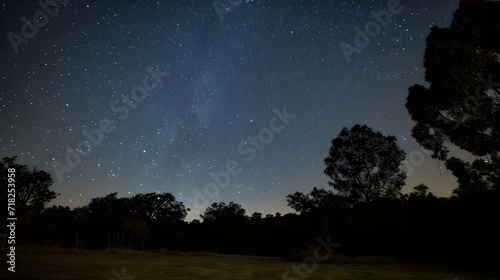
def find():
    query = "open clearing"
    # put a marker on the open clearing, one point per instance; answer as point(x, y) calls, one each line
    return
point(157, 266)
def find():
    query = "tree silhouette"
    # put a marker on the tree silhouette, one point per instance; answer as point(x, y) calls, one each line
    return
point(32, 185)
point(256, 216)
point(317, 199)
point(421, 191)
point(222, 213)
point(32, 193)
point(104, 215)
point(461, 104)
point(364, 164)
point(159, 207)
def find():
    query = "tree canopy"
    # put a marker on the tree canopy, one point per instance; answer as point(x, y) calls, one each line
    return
point(461, 104)
point(32, 185)
point(364, 164)
point(161, 207)
point(222, 213)
point(317, 199)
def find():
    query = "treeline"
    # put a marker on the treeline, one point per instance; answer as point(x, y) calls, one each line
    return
point(384, 222)
point(416, 227)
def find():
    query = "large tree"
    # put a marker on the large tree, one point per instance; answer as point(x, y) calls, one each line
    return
point(224, 214)
point(160, 207)
point(32, 193)
point(32, 185)
point(461, 104)
point(364, 164)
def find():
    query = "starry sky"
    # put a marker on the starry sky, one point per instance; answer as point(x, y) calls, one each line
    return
point(167, 96)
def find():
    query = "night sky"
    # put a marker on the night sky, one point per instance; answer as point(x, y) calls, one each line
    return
point(179, 91)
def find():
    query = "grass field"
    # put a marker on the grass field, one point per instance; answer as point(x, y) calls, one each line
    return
point(100, 265)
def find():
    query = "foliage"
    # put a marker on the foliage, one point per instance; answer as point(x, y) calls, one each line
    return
point(316, 200)
point(461, 104)
point(479, 176)
point(32, 185)
point(256, 216)
point(32, 193)
point(222, 213)
point(161, 207)
point(364, 164)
